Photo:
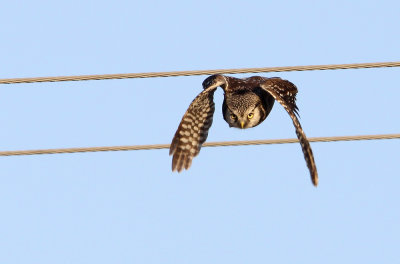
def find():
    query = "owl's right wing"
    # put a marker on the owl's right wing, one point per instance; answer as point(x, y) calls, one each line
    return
point(193, 130)
point(285, 92)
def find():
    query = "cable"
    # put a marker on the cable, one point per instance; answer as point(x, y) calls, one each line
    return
point(200, 72)
point(189, 73)
point(210, 144)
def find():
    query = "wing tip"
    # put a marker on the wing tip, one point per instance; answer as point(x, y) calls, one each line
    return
point(314, 179)
point(181, 162)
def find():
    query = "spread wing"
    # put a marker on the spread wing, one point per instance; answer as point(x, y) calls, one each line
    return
point(285, 93)
point(193, 130)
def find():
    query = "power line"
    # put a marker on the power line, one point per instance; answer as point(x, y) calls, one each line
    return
point(199, 72)
point(210, 144)
point(190, 73)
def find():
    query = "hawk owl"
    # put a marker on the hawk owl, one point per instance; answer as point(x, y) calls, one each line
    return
point(247, 102)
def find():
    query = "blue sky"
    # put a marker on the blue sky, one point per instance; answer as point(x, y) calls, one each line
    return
point(252, 204)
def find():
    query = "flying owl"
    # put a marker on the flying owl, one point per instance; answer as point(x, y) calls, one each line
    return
point(247, 102)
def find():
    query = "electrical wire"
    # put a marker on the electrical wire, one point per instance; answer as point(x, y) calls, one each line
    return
point(199, 72)
point(209, 144)
point(190, 73)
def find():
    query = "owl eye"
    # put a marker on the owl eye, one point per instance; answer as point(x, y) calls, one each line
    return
point(233, 117)
point(250, 116)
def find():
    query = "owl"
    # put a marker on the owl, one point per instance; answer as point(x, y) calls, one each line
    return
point(247, 103)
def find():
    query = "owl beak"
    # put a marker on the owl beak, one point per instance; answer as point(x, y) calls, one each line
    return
point(242, 124)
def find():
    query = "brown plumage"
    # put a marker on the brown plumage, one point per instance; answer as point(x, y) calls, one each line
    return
point(247, 102)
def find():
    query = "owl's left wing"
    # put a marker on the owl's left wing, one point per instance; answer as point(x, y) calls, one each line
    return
point(193, 130)
point(285, 93)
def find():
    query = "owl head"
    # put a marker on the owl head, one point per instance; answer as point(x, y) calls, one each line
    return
point(243, 109)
